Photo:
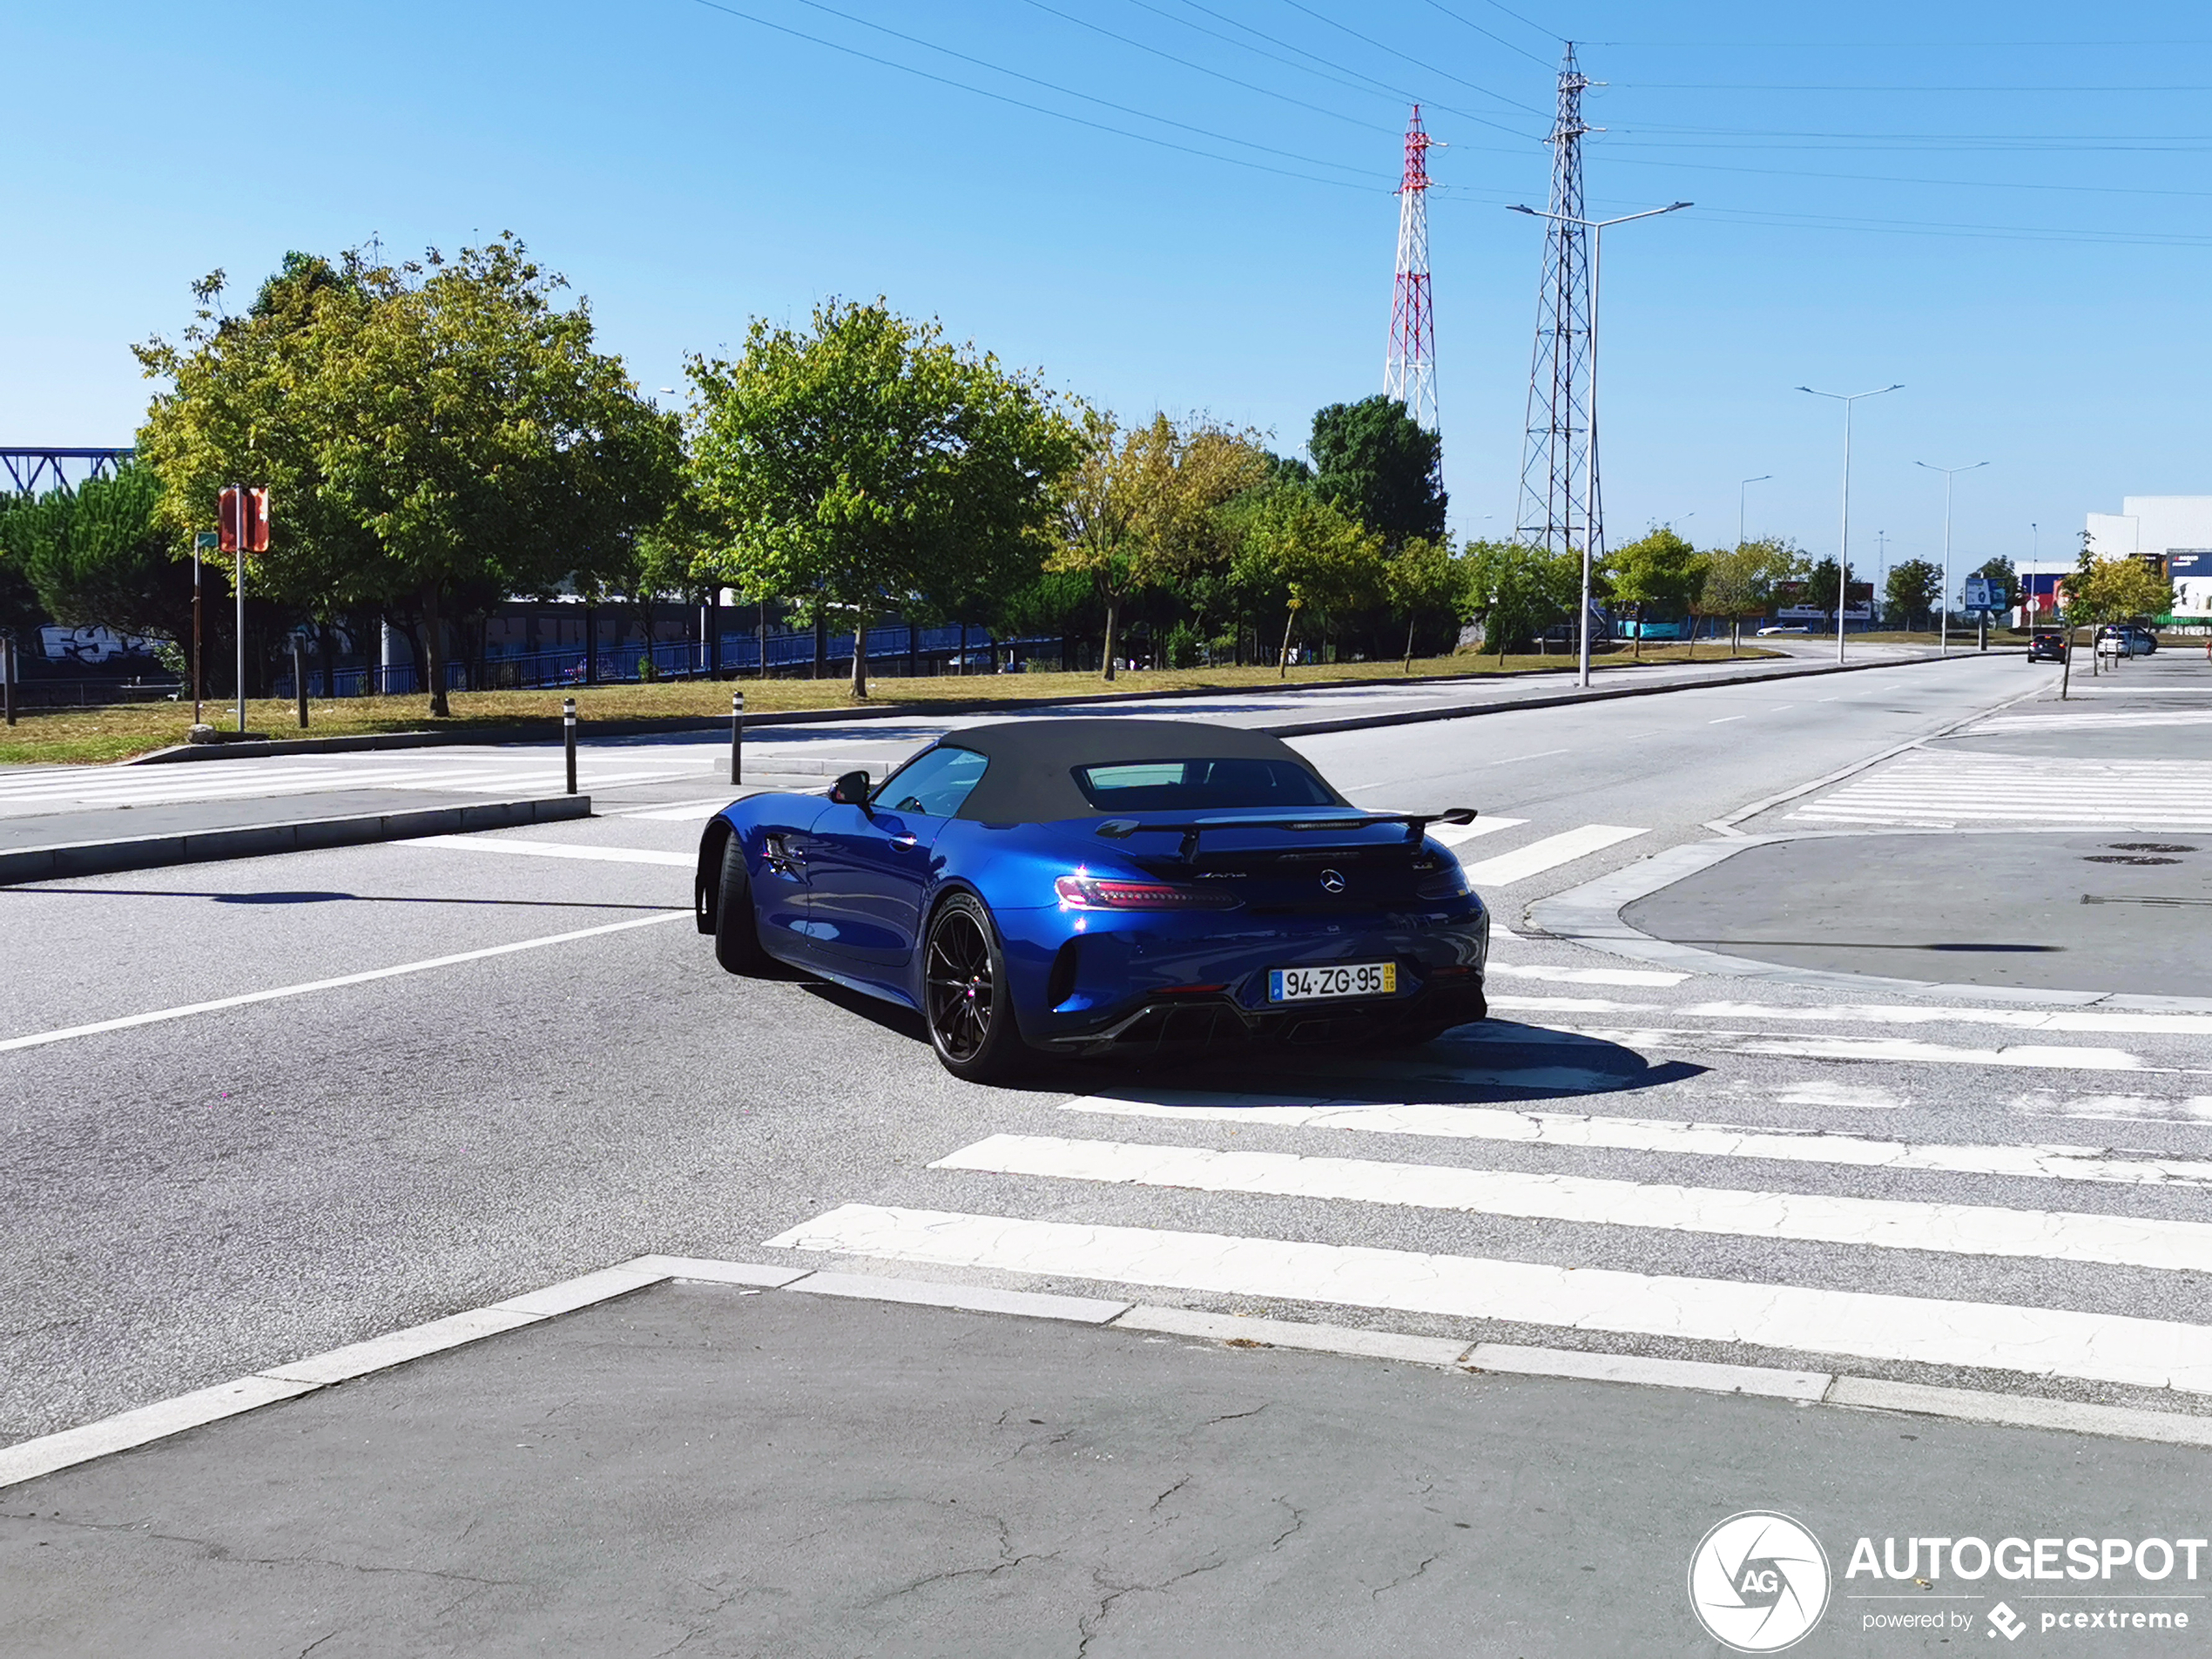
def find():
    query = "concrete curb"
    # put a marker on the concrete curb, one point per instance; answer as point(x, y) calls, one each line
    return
point(550, 731)
point(50, 1454)
point(1591, 915)
point(1417, 717)
point(259, 840)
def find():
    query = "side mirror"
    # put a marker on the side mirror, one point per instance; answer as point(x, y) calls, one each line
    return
point(851, 790)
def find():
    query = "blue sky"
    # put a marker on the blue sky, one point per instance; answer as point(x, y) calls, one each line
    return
point(2004, 207)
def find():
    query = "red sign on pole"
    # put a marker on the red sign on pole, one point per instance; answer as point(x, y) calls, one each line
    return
point(244, 518)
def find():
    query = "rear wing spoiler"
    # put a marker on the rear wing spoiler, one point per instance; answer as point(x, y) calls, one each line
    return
point(1120, 829)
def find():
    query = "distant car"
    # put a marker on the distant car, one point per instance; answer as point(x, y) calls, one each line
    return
point(1092, 887)
point(2126, 639)
point(1775, 627)
point(2047, 646)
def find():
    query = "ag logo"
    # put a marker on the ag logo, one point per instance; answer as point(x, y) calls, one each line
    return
point(1758, 1582)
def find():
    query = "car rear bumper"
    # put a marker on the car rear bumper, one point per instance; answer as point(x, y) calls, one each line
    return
point(1168, 1025)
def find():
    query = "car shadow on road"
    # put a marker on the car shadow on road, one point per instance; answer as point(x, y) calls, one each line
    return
point(1492, 1062)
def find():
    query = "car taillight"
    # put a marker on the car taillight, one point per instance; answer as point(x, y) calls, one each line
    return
point(1103, 892)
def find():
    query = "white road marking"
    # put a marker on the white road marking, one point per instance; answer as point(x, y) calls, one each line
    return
point(1455, 834)
point(2154, 1353)
point(1879, 1224)
point(37, 1039)
point(1851, 1097)
point(1920, 787)
point(2045, 1163)
point(2189, 1025)
point(1541, 754)
point(1589, 975)
point(555, 850)
point(2193, 1109)
point(1567, 1005)
point(1888, 1050)
point(1548, 853)
point(1725, 718)
point(690, 812)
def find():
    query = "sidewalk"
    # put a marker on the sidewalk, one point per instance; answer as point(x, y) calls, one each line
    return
point(2059, 851)
point(720, 1471)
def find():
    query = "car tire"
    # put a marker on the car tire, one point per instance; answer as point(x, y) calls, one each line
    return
point(966, 1002)
point(737, 929)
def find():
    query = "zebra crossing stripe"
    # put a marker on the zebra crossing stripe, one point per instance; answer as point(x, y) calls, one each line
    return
point(1553, 851)
point(1880, 1223)
point(2049, 1342)
point(1891, 1050)
point(2029, 1162)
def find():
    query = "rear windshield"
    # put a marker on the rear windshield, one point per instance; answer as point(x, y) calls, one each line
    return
point(1184, 786)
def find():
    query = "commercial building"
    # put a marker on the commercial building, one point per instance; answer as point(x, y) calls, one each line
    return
point(2172, 533)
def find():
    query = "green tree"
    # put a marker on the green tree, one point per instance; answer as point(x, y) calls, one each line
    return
point(1424, 579)
point(1744, 582)
point(1141, 508)
point(1659, 571)
point(1913, 586)
point(866, 464)
point(95, 555)
point(1303, 551)
point(1376, 462)
point(434, 435)
point(21, 615)
point(1519, 590)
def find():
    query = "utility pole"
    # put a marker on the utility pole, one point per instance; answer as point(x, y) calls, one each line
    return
point(1742, 490)
point(1594, 519)
point(1409, 370)
point(1944, 649)
point(1842, 549)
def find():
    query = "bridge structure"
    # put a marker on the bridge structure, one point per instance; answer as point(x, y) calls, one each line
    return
point(47, 467)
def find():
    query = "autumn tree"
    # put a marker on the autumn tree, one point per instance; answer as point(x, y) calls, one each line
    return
point(1140, 507)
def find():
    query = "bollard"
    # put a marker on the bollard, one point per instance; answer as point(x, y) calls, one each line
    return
point(8, 674)
point(736, 737)
point(568, 737)
point(299, 676)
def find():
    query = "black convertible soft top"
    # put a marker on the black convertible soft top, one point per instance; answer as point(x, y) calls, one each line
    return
point(1031, 779)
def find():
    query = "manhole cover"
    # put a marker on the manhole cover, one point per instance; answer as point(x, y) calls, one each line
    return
point(2149, 846)
point(2126, 858)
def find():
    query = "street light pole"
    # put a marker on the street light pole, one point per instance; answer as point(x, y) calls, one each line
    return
point(1843, 551)
point(1742, 490)
point(1942, 608)
point(1597, 228)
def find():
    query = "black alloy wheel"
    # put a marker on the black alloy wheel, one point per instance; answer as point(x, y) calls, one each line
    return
point(964, 994)
point(737, 929)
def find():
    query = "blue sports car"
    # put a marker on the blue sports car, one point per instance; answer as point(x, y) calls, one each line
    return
point(1095, 887)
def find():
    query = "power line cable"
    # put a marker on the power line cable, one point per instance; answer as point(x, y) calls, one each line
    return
point(1036, 109)
point(1468, 23)
point(1069, 92)
point(1250, 86)
point(1328, 74)
point(1384, 47)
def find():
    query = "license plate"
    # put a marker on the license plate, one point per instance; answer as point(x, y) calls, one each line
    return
point(1354, 979)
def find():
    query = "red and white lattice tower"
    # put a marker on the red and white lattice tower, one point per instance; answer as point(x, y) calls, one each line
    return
point(1409, 373)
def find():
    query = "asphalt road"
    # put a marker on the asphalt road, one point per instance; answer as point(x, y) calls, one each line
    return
point(1888, 1191)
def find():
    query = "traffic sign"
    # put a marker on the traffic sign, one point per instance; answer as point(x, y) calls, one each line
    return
point(243, 515)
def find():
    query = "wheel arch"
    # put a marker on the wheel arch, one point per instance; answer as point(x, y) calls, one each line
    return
point(707, 881)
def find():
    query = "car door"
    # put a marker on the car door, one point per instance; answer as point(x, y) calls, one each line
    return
point(868, 869)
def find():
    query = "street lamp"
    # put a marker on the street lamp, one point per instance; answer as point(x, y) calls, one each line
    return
point(1742, 490)
point(1843, 551)
point(1943, 608)
point(1597, 227)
